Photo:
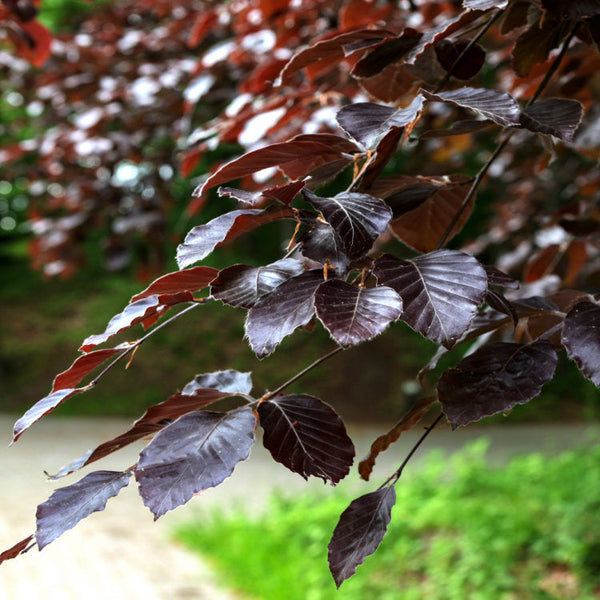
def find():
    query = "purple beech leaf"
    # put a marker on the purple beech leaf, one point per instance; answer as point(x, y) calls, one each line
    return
point(500, 278)
point(279, 313)
point(498, 302)
point(357, 219)
point(243, 285)
point(307, 436)
point(134, 313)
point(354, 314)
point(18, 549)
point(322, 243)
point(440, 291)
point(499, 107)
point(69, 505)
point(42, 408)
point(157, 417)
point(470, 63)
point(554, 116)
point(494, 379)
point(228, 381)
point(367, 123)
point(195, 452)
point(484, 4)
point(285, 193)
point(187, 280)
point(203, 239)
point(360, 530)
point(581, 338)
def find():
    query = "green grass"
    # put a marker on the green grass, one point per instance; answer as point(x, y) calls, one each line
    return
point(526, 531)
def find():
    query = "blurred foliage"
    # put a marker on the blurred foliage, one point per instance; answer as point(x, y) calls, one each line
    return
point(526, 531)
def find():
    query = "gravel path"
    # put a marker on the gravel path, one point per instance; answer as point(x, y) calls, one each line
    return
point(121, 554)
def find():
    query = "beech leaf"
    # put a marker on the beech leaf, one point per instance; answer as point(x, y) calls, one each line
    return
point(228, 381)
point(18, 549)
point(581, 338)
point(494, 379)
point(69, 505)
point(354, 314)
point(472, 57)
point(360, 530)
point(279, 313)
point(357, 219)
point(484, 4)
point(197, 451)
point(554, 116)
point(285, 194)
point(322, 243)
point(497, 106)
point(307, 436)
point(440, 291)
point(187, 280)
point(367, 122)
point(203, 239)
point(136, 312)
point(243, 285)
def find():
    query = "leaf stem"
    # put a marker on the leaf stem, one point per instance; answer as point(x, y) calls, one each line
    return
point(394, 478)
point(482, 172)
point(134, 346)
point(310, 367)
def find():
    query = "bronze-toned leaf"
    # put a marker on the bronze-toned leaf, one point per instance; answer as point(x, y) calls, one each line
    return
point(581, 338)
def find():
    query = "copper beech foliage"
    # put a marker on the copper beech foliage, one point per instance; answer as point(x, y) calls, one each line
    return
point(377, 132)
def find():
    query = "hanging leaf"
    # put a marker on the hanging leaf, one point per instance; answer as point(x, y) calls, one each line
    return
point(359, 532)
point(69, 505)
point(581, 338)
point(18, 549)
point(284, 194)
point(367, 123)
point(484, 4)
point(307, 436)
point(328, 49)
point(188, 280)
point(42, 408)
point(203, 239)
point(472, 57)
point(194, 396)
point(535, 44)
point(553, 116)
point(84, 365)
point(498, 302)
point(440, 291)
point(195, 452)
point(278, 314)
point(323, 244)
point(423, 227)
point(419, 409)
point(357, 219)
point(388, 52)
point(228, 381)
point(243, 285)
point(355, 314)
point(497, 106)
point(494, 379)
point(500, 278)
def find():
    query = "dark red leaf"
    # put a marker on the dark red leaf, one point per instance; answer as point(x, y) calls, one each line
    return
point(357, 219)
point(368, 123)
point(279, 313)
point(581, 338)
point(203, 239)
point(296, 158)
point(535, 44)
point(553, 116)
point(328, 49)
point(500, 278)
point(497, 106)
point(307, 436)
point(285, 194)
point(36, 48)
point(323, 244)
point(498, 302)
point(386, 53)
point(195, 452)
point(494, 379)
point(188, 280)
point(470, 63)
point(136, 312)
point(355, 314)
point(359, 532)
point(484, 4)
point(82, 366)
point(69, 505)
point(383, 442)
point(42, 408)
point(243, 285)
point(440, 290)
point(18, 549)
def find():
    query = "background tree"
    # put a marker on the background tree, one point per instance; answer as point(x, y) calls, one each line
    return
point(369, 129)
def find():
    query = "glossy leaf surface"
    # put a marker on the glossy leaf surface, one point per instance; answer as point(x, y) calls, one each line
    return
point(554, 116)
point(581, 338)
point(187, 280)
point(307, 436)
